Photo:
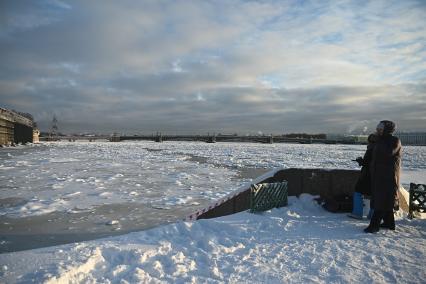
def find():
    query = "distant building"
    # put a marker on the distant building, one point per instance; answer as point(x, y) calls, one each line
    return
point(15, 127)
point(407, 138)
point(361, 139)
point(412, 138)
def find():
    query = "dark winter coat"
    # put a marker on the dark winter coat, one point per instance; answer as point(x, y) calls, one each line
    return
point(385, 171)
point(363, 184)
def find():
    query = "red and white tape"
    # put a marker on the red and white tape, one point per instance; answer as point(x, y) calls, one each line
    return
point(194, 216)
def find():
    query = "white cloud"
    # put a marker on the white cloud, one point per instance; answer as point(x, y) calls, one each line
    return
point(274, 59)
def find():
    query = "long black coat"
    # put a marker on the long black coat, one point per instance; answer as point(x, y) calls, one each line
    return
point(385, 172)
point(363, 184)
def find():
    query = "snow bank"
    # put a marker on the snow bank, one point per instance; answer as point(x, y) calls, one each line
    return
point(296, 244)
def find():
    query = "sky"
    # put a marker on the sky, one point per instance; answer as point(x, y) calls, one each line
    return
point(215, 66)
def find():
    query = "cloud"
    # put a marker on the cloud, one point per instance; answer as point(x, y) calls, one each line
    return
point(215, 65)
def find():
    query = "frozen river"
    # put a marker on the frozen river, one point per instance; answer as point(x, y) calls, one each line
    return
point(54, 193)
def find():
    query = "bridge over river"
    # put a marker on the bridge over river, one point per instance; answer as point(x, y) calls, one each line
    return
point(203, 138)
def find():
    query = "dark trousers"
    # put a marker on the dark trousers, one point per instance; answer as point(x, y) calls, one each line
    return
point(386, 216)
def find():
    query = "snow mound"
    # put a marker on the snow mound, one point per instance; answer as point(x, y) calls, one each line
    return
point(295, 244)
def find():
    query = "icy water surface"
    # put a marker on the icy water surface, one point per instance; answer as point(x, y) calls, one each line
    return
point(54, 193)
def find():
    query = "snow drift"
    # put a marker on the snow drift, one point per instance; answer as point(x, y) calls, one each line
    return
point(295, 244)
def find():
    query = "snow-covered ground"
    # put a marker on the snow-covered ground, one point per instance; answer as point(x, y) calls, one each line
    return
point(300, 243)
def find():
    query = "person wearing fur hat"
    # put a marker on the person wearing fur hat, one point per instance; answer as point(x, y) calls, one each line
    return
point(385, 173)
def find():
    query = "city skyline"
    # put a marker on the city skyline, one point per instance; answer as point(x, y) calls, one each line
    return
point(215, 66)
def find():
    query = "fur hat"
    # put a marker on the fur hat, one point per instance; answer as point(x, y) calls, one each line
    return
point(388, 126)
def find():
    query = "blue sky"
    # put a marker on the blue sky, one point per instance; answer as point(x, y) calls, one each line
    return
point(215, 66)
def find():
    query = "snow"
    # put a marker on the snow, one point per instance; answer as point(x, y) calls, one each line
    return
point(295, 244)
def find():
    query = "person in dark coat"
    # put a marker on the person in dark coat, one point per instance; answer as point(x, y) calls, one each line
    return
point(385, 171)
point(363, 184)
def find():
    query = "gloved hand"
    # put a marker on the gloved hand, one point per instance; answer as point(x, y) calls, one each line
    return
point(360, 161)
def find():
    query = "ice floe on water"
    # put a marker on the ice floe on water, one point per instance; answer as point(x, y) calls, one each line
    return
point(64, 176)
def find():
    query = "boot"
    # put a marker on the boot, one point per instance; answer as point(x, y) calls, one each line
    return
point(357, 206)
point(386, 226)
point(374, 226)
point(371, 230)
point(388, 221)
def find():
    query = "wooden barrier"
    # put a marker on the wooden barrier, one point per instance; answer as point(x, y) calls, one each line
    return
point(324, 183)
point(265, 196)
point(417, 201)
